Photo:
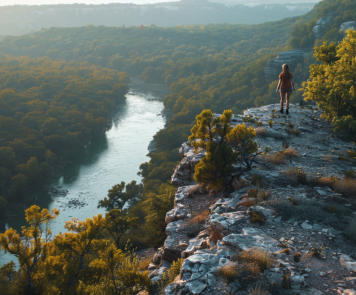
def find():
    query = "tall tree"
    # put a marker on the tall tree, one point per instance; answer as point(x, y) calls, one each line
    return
point(332, 84)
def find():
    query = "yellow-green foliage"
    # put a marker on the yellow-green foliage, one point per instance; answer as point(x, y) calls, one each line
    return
point(332, 83)
point(8, 275)
point(224, 146)
point(81, 261)
point(242, 140)
point(175, 269)
point(169, 276)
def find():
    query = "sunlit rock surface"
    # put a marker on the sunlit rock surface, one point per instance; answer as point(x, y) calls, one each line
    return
point(308, 222)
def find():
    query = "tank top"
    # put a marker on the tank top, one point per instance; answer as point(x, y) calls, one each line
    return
point(286, 80)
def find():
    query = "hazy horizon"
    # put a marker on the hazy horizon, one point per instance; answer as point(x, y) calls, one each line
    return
point(53, 2)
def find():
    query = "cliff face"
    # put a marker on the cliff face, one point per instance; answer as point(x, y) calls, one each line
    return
point(288, 228)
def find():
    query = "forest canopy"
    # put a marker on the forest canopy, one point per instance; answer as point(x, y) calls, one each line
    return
point(49, 112)
point(332, 84)
point(207, 67)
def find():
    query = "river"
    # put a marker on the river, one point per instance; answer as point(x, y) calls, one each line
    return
point(126, 148)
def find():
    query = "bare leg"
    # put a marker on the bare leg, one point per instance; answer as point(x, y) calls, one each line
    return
point(287, 100)
point(282, 99)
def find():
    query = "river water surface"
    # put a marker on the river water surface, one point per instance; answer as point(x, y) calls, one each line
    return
point(126, 149)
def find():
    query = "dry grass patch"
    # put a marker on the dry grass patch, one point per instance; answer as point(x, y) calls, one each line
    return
point(328, 158)
point(247, 202)
point(258, 291)
point(255, 261)
point(326, 181)
point(292, 131)
point(297, 175)
point(261, 131)
point(281, 156)
point(290, 152)
point(257, 217)
point(144, 262)
point(200, 217)
point(196, 189)
point(346, 186)
point(276, 158)
point(215, 234)
point(262, 196)
point(229, 272)
point(253, 197)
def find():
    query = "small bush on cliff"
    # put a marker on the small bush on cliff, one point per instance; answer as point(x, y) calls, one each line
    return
point(332, 84)
point(228, 272)
point(169, 276)
point(224, 146)
point(83, 260)
point(121, 195)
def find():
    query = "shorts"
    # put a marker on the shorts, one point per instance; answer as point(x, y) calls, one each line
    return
point(286, 90)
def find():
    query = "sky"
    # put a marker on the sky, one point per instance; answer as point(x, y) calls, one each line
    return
point(39, 2)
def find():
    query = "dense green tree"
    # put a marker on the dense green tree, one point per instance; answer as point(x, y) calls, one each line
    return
point(49, 112)
point(224, 146)
point(332, 84)
point(81, 261)
point(121, 196)
point(31, 247)
point(117, 224)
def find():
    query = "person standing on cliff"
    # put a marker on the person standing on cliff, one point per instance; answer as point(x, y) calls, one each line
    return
point(285, 86)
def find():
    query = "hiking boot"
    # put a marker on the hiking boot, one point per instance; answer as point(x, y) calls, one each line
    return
point(281, 111)
point(287, 111)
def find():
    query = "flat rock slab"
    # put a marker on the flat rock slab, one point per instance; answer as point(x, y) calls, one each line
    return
point(252, 238)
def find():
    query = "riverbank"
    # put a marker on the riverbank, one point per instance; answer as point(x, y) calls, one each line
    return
point(125, 148)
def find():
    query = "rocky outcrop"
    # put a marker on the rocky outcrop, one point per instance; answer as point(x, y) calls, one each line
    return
point(185, 169)
point(320, 24)
point(347, 26)
point(291, 57)
point(285, 207)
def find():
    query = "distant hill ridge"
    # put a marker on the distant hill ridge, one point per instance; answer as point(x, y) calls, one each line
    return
point(17, 20)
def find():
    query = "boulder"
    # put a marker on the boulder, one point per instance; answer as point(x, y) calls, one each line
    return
point(184, 171)
point(178, 212)
point(250, 238)
point(305, 225)
point(347, 262)
point(227, 221)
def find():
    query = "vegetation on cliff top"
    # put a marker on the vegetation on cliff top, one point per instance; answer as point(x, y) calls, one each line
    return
point(332, 84)
point(84, 260)
point(225, 146)
point(206, 67)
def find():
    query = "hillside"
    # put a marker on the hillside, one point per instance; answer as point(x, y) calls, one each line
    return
point(212, 66)
point(292, 215)
point(50, 114)
point(19, 20)
point(275, 216)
